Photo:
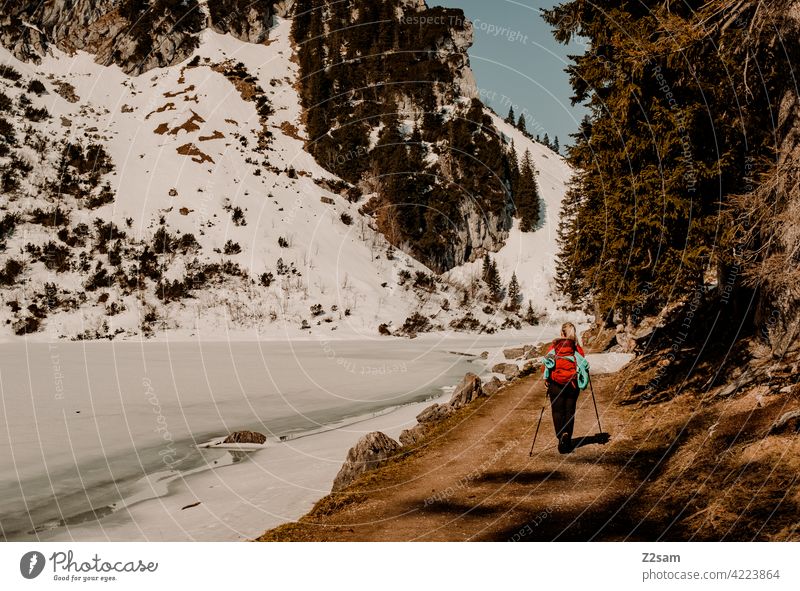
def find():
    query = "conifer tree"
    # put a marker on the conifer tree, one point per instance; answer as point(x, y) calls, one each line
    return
point(513, 293)
point(661, 152)
point(511, 119)
point(556, 146)
point(513, 168)
point(495, 287)
point(521, 125)
point(487, 268)
point(546, 141)
point(530, 315)
point(526, 198)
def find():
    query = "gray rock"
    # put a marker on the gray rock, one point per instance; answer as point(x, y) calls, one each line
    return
point(247, 20)
point(530, 367)
point(514, 352)
point(246, 437)
point(509, 370)
point(467, 391)
point(492, 386)
point(98, 27)
point(599, 338)
point(625, 342)
point(435, 413)
point(411, 437)
point(283, 8)
point(371, 451)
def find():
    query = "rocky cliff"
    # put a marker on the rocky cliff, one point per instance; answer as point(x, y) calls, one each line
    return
point(136, 35)
point(389, 98)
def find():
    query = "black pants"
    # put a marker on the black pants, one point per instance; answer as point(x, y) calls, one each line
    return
point(563, 399)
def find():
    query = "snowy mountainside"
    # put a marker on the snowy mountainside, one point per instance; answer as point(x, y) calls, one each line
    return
point(201, 213)
point(532, 255)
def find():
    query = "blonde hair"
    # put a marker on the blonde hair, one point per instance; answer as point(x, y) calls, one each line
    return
point(568, 331)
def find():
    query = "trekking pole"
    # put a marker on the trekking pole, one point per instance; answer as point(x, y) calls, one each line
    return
point(597, 414)
point(539, 424)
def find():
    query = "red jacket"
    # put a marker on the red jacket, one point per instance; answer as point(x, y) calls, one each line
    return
point(565, 371)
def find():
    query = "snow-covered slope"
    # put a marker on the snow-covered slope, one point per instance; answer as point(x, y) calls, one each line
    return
point(275, 250)
point(532, 255)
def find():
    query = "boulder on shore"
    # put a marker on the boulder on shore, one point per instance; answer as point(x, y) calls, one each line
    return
point(246, 437)
point(509, 370)
point(411, 437)
point(492, 386)
point(467, 391)
point(514, 352)
point(435, 413)
point(371, 451)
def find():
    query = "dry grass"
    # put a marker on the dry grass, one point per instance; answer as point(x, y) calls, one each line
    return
point(720, 474)
point(195, 152)
point(214, 136)
point(291, 130)
point(167, 107)
point(189, 126)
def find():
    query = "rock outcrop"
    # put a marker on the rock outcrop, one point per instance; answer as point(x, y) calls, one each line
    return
point(514, 352)
point(492, 386)
point(246, 437)
point(509, 370)
point(247, 20)
point(371, 451)
point(137, 36)
point(469, 389)
point(482, 231)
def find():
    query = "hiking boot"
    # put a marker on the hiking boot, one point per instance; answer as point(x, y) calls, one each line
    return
point(565, 444)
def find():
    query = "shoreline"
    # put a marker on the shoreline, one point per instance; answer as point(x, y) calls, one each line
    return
point(161, 497)
point(180, 490)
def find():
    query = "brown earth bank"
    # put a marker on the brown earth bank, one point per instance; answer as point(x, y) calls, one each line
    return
point(680, 469)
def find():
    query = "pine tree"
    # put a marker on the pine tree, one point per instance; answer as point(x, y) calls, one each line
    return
point(513, 293)
point(511, 119)
point(526, 198)
point(641, 225)
point(546, 141)
point(495, 287)
point(530, 315)
point(487, 268)
point(556, 146)
point(521, 125)
point(513, 168)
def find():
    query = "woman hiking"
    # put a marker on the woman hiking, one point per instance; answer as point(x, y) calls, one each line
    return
point(566, 372)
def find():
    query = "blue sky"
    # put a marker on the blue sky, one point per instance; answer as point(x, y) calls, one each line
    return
point(517, 62)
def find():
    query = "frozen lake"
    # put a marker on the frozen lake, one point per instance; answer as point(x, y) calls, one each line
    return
point(80, 422)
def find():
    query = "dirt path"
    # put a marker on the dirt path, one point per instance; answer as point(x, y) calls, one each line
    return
point(475, 481)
